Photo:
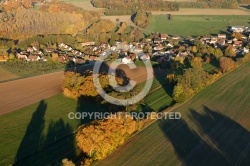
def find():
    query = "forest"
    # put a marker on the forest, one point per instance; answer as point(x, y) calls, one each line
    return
point(129, 7)
point(23, 21)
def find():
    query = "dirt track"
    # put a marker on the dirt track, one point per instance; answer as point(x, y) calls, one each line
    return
point(23, 92)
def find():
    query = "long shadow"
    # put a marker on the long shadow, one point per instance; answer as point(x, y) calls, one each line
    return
point(191, 149)
point(45, 148)
point(231, 138)
point(33, 137)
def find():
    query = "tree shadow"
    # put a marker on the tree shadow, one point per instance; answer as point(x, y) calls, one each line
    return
point(191, 149)
point(231, 138)
point(223, 141)
point(32, 140)
point(44, 147)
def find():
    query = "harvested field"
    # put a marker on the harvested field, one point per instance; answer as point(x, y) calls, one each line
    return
point(195, 11)
point(23, 92)
point(85, 4)
point(6, 75)
point(214, 130)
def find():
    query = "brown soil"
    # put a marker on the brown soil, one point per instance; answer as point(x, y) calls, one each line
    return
point(19, 93)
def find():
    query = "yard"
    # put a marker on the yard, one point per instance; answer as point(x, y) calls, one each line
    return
point(194, 25)
point(214, 129)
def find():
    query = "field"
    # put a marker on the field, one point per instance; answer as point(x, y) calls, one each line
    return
point(41, 134)
point(196, 11)
point(6, 75)
point(27, 130)
point(195, 25)
point(23, 92)
point(85, 4)
point(43, 129)
point(214, 129)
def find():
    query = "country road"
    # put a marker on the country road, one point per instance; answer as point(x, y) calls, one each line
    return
point(23, 92)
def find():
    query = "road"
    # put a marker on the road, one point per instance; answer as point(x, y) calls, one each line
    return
point(23, 92)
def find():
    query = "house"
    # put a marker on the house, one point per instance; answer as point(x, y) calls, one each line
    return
point(49, 50)
point(157, 41)
point(4, 58)
point(237, 28)
point(91, 43)
point(176, 37)
point(229, 41)
point(30, 49)
point(158, 48)
point(143, 56)
point(33, 58)
point(213, 40)
point(22, 56)
point(170, 45)
point(222, 36)
point(163, 36)
point(221, 41)
point(245, 50)
point(237, 43)
point(126, 60)
point(206, 38)
point(79, 60)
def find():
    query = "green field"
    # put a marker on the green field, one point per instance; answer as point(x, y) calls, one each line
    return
point(214, 130)
point(41, 132)
point(40, 129)
point(195, 25)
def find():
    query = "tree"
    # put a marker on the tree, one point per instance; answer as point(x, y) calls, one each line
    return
point(237, 35)
point(196, 62)
point(101, 137)
point(226, 64)
point(218, 53)
point(12, 57)
point(229, 51)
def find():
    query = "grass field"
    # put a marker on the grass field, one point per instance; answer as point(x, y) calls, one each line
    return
point(6, 75)
point(34, 128)
point(214, 130)
point(195, 25)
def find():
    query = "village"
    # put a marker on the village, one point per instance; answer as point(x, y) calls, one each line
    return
point(161, 48)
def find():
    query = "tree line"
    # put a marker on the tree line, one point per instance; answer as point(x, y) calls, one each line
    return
point(129, 7)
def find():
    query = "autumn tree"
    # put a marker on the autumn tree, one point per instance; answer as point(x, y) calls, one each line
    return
point(237, 35)
point(100, 138)
point(226, 64)
point(230, 52)
point(218, 53)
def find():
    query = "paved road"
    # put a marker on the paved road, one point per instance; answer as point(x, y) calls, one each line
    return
point(19, 93)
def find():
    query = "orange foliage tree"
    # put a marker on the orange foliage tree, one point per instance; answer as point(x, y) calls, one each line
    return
point(100, 138)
